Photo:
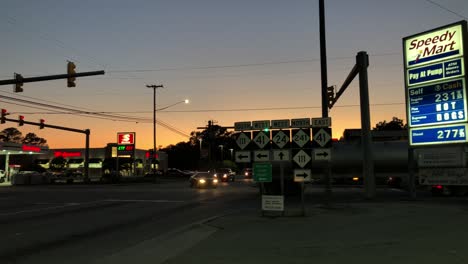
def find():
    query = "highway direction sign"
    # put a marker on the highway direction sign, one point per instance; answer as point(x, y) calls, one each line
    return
point(261, 125)
point(280, 138)
point(262, 172)
point(241, 126)
point(322, 154)
point(301, 158)
point(261, 155)
point(261, 139)
point(302, 175)
point(300, 122)
point(301, 138)
point(281, 155)
point(278, 124)
point(243, 140)
point(321, 136)
point(321, 122)
point(243, 156)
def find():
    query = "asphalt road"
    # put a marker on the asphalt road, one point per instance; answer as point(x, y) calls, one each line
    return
point(83, 223)
point(119, 223)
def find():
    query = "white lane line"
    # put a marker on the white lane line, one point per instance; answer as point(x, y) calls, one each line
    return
point(40, 209)
point(144, 201)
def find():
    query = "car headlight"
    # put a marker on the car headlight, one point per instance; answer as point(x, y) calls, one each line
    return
point(246, 174)
point(355, 178)
point(224, 176)
point(201, 181)
point(215, 180)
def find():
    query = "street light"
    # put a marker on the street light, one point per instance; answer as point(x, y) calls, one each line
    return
point(186, 101)
point(153, 158)
point(231, 150)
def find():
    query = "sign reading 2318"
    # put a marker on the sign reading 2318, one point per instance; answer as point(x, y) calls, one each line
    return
point(441, 103)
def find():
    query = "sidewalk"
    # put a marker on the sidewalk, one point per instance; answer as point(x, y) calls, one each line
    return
point(398, 232)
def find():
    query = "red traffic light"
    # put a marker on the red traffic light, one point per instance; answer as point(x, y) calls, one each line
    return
point(21, 120)
point(41, 125)
point(4, 113)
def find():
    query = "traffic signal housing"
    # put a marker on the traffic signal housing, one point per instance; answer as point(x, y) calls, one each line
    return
point(41, 123)
point(20, 120)
point(19, 83)
point(330, 96)
point(71, 71)
point(4, 114)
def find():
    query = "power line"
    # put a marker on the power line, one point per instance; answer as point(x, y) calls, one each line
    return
point(244, 65)
point(446, 9)
point(225, 110)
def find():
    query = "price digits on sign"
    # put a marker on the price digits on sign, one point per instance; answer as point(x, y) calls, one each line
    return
point(442, 97)
point(451, 133)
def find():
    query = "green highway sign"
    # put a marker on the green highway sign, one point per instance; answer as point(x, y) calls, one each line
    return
point(262, 172)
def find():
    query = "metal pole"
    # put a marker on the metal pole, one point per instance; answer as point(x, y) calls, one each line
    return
point(323, 59)
point(323, 67)
point(362, 59)
point(411, 178)
point(86, 163)
point(302, 199)
point(282, 182)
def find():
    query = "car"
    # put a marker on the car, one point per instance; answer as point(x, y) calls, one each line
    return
point(247, 173)
point(203, 180)
point(172, 172)
point(2, 176)
point(225, 174)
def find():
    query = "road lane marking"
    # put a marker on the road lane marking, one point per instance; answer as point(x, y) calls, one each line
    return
point(40, 209)
point(144, 201)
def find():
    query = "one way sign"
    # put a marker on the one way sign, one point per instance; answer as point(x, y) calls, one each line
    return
point(322, 154)
point(243, 157)
point(302, 175)
point(261, 155)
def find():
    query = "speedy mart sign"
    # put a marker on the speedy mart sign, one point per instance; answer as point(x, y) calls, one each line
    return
point(437, 45)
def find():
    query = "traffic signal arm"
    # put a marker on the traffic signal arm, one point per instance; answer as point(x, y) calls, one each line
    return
point(354, 72)
point(51, 77)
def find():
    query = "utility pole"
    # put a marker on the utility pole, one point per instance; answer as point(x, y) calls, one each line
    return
point(153, 158)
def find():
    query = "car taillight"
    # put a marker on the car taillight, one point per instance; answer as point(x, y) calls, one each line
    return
point(438, 187)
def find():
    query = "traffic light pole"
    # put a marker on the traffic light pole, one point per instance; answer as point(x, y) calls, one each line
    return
point(87, 132)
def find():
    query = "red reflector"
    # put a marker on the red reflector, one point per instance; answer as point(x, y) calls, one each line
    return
point(438, 187)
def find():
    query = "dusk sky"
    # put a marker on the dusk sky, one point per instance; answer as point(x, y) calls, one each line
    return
point(234, 60)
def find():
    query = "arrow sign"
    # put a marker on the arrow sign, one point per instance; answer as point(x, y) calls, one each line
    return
point(302, 175)
point(281, 155)
point(243, 156)
point(261, 155)
point(322, 154)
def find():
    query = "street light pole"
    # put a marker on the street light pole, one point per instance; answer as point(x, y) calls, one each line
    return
point(153, 158)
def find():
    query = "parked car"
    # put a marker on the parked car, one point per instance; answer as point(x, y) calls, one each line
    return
point(247, 173)
point(29, 177)
point(225, 174)
point(2, 176)
point(203, 180)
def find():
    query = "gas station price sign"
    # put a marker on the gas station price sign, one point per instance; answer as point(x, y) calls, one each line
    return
point(435, 85)
point(440, 103)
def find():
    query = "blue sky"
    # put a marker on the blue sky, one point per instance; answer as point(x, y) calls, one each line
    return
point(222, 55)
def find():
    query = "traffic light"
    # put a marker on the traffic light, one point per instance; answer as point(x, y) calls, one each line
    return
point(330, 95)
point(71, 70)
point(21, 120)
point(19, 83)
point(41, 123)
point(4, 114)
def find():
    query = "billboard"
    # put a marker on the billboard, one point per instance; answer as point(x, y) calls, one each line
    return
point(435, 85)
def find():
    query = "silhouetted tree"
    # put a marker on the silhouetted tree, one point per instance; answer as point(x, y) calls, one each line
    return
point(11, 134)
point(395, 124)
point(33, 139)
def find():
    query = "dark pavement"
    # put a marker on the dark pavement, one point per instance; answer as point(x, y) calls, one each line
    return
point(170, 223)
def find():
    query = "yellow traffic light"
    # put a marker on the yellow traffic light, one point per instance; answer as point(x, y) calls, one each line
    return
point(71, 71)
